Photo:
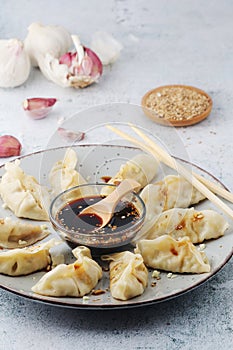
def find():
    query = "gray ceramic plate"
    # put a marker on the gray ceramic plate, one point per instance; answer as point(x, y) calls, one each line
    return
point(97, 161)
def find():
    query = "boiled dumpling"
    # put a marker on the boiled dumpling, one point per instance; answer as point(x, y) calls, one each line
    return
point(197, 225)
point(24, 261)
point(74, 280)
point(142, 168)
point(23, 194)
point(171, 192)
point(128, 275)
point(63, 174)
point(168, 254)
point(16, 234)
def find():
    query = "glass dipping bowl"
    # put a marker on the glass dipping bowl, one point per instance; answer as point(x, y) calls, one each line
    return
point(92, 238)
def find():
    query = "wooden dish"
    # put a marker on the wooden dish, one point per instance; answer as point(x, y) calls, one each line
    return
point(172, 122)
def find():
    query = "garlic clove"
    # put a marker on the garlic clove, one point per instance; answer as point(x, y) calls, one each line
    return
point(97, 68)
point(9, 146)
point(42, 39)
point(70, 135)
point(15, 64)
point(106, 47)
point(74, 69)
point(86, 66)
point(38, 107)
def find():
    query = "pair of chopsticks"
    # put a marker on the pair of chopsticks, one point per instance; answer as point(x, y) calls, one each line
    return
point(206, 187)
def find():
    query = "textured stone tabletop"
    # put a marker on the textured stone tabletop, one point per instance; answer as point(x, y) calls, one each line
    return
point(165, 42)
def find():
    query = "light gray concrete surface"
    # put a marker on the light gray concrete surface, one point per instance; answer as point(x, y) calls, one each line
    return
point(165, 42)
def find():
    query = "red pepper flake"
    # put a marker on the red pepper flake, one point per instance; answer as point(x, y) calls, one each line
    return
point(173, 251)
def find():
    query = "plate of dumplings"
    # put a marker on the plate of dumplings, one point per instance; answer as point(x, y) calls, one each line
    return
point(184, 240)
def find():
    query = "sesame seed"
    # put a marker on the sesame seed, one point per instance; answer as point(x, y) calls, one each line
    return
point(155, 273)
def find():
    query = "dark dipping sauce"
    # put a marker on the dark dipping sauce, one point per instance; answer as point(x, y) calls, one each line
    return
point(124, 217)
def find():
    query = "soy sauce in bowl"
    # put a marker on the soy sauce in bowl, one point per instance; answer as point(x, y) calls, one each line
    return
point(126, 221)
point(125, 215)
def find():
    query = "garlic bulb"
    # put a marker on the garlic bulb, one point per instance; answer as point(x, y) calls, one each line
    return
point(76, 69)
point(41, 40)
point(106, 47)
point(14, 63)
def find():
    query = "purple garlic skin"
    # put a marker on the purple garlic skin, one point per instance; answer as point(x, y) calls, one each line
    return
point(70, 135)
point(9, 146)
point(38, 107)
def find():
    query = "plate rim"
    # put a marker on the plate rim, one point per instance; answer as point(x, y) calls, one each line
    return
point(122, 305)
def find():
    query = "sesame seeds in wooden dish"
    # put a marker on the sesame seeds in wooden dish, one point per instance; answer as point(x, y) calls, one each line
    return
point(177, 105)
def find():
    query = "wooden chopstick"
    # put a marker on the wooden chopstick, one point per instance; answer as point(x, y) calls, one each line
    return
point(168, 160)
point(215, 188)
point(163, 156)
